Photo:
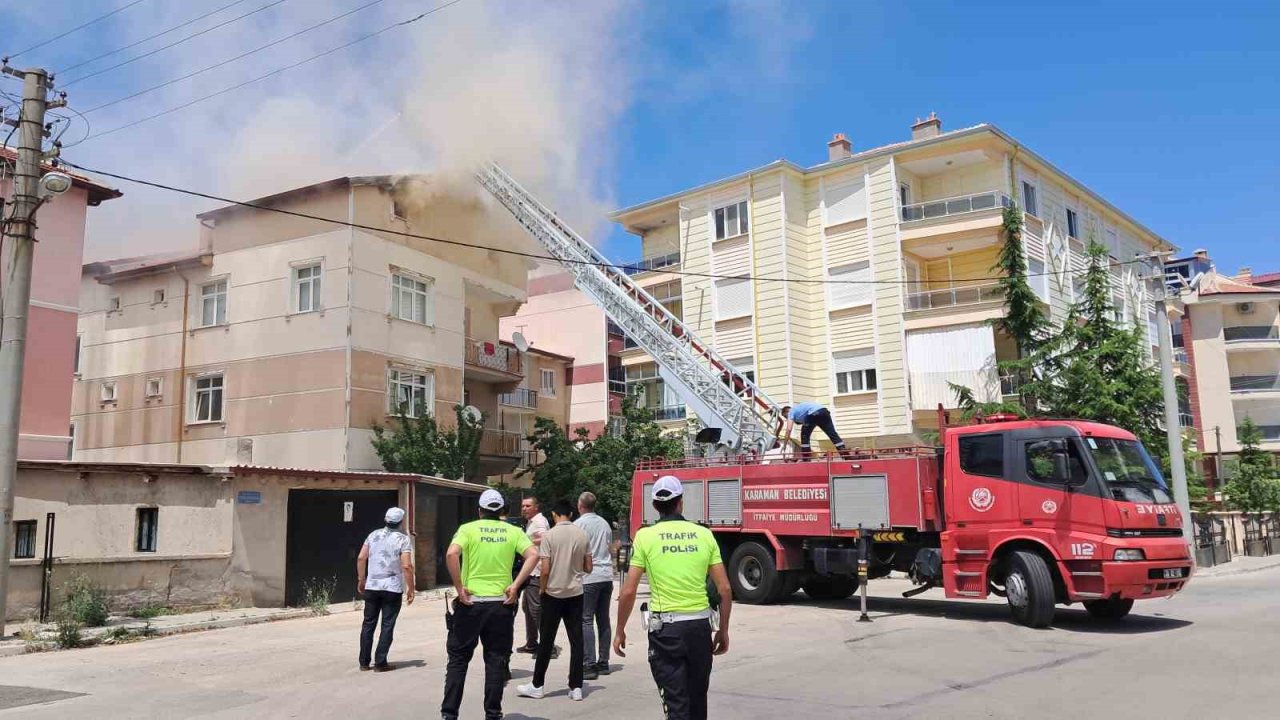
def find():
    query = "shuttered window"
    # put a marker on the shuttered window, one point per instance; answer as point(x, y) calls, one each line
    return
point(850, 286)
point(846, 201)
point(731, 220)
point(853, 371)
point(733, 299)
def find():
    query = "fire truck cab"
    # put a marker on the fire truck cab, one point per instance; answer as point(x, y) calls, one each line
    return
point(1041, 512)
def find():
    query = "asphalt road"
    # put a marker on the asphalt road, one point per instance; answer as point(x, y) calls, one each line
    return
point(1210, 652)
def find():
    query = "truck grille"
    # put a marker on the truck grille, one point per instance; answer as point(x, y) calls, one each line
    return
point(1145, 532)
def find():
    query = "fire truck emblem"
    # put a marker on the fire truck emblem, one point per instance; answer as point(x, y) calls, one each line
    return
point(981, 499)
point(1049, 507)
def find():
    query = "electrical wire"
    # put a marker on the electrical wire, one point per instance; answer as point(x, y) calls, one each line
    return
point(74, 29)
point(96, 58)
point(241, 56)
point(536, 256)
point(277, 71)
point(172, 44)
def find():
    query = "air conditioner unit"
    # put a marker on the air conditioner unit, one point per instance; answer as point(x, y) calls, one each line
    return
point(1244, 308)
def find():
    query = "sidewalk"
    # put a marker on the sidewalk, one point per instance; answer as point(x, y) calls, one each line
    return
point(1239, 565)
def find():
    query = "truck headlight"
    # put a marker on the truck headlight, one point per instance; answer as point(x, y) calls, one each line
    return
point(1130, 554)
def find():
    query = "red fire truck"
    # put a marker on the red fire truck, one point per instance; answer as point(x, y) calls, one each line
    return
point(1039, 512)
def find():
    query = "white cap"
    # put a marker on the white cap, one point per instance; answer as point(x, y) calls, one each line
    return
point(667, 487)
point(492, 500)
point(395, 515)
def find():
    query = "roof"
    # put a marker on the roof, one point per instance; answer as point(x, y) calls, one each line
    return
point(1085, 427)
point(883, 150)
point(357, 475)
point(1215, 283)
point(107, 271)
point(540, 351)
point(98, 192)
point(1266, 278)
point(383, 181)
point(120, 467)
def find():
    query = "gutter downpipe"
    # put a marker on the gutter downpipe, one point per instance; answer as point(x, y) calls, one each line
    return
point(182, 360)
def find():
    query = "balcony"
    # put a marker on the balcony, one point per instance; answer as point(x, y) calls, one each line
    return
point(667, 413)
point(947, 207)
point(650, 264)
point(1255, 384)
point(492, 361)
point(954, 297)
point(1270, 433)
point(1252, 334)
point(521, 398)
point(500, 451)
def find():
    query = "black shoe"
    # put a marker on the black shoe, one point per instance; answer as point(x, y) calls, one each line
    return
point(527, 649)
point(365, 668)
point(384, 667)
point(603, 668)
point(589, 672)
point(555, 651)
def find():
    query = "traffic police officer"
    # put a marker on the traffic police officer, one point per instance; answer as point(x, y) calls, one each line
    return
point(677, 555)
point(480, 559)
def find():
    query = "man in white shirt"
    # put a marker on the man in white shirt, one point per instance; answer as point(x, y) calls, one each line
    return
point(535, 528)
point(597, 587)
point(384, 571)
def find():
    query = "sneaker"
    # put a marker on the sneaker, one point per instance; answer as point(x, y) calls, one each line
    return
point(530, 691)
point(527, 649)
point(589, 672)
point(575, 694)
point(603, 668)
point(384, 667)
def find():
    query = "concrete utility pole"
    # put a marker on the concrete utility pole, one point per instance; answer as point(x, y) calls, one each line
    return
point(1173, 427)
point(19, 244)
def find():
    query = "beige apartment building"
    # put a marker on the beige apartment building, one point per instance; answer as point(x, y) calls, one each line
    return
point(916, 227)
point(284, 340)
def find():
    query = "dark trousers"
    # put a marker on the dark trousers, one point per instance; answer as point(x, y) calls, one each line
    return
point(532, 603)
point(595, 615)
point(820, 419)
point(680, 658)
point(490, 624)
point(554, 612)
point(386, 604)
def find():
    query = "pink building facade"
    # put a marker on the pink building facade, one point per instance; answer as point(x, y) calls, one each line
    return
point(45, 431)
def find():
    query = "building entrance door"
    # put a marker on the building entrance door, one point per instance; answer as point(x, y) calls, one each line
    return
point(325, 531)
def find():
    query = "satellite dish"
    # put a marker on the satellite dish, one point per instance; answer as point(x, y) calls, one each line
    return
point(518, 339)
point(472, 413)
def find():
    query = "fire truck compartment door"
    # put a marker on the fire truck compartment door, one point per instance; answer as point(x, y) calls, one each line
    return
point(724, 502)
point(859, 501)
point(695, 502)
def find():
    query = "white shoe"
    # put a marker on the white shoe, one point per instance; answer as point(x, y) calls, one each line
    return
point(575, 694)
point(530, 691)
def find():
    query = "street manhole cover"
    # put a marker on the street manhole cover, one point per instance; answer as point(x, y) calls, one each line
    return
point(12, 696)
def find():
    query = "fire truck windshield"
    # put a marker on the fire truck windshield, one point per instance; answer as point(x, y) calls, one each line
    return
point(1128, 470)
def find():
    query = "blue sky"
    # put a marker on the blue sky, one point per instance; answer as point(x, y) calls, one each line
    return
point(1166, 108)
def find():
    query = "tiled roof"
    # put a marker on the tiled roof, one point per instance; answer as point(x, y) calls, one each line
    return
point(1215, 283)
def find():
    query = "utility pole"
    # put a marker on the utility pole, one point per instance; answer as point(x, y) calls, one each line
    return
point(1173, 426)
point(19, 244)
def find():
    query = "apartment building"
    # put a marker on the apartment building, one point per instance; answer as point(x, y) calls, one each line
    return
point(45, 420)
point(284, 340)
point(914, 229)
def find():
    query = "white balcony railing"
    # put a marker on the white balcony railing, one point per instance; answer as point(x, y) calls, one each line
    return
point(950, 297)
point(519, 398)
point(959, 205)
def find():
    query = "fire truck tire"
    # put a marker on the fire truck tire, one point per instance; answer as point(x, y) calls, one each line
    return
point(819, 587)
point(753, 575)
point(1109, 609)
point(1029, 589)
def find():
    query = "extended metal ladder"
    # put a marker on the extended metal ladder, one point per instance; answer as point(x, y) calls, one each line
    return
point(717, 392)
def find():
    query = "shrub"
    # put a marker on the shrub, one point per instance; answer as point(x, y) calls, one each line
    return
point(148, 612)
point(318, 594)
point(85, 602)
point(67, 633)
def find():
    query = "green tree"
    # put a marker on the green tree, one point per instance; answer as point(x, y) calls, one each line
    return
point(1255, 487)
point(419, 445)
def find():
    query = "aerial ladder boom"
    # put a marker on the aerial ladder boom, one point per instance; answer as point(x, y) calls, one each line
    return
point(718, 393)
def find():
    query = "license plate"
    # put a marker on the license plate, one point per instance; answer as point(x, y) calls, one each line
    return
point(1172, 573)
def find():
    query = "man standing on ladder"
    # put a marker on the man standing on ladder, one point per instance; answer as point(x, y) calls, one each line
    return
point(677, 555)
point(811, 415)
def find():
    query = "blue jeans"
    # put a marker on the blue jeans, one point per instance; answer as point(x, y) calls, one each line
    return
point(387, 604)
point(595, 614)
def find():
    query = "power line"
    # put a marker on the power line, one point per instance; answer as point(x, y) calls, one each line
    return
point(228, 61)
point(277, 71)
point(74, 29)
point(149, 37)
point(175, 43)
point(529, 255)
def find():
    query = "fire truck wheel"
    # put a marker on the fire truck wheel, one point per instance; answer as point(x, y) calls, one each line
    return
point(753, 575)
point(830, 588)
point(1029, 589)
point(1109, 609)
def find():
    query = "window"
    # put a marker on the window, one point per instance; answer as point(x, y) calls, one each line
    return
point(213, 304)
point(904, 194)
point(746, 370)
point(148, 520)
point(71, 444)
point(411, 394)
point(733, 299)
point(1029, 198)
point(845, 201)
point(1038, 278)
point(155, 387)
point(850, 286)
point(1039, 460)
point(982, 454)
point(113, 305)
point(306, 288)
point(207, 399)
point(24, 539)
point(158, 296)
point(549, 383)
point(79, 345)
point(731, 220)
point(410, 299)
point(1073, 224)
point(109, 392)
point(854, 371)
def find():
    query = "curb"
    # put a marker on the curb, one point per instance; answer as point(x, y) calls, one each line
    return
point(1230, 571)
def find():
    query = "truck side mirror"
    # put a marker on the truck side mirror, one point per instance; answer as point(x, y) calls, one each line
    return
point(1061, 468)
